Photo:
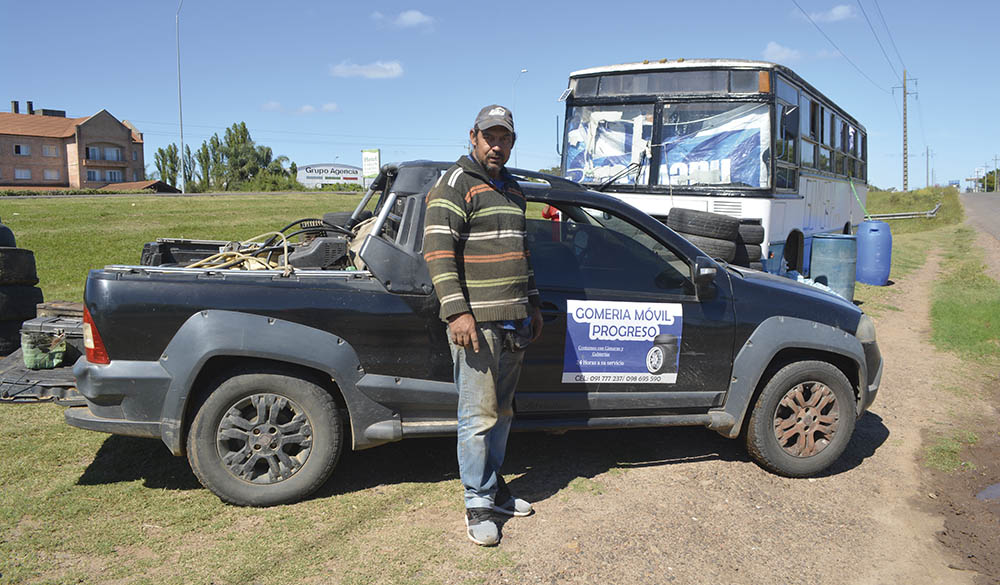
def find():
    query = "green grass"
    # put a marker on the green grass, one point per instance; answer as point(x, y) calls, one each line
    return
point(78, 506)
point(965, 314)
point(919, 200)
point(944, 453)
point(70, 236)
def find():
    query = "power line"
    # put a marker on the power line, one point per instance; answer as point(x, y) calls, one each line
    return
point(842, 53)
point(888, 32)
point(872, 28)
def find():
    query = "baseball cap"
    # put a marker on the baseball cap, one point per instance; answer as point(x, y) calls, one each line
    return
point(494, 115)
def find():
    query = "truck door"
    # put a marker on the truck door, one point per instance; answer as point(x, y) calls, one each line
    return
point(623, 327)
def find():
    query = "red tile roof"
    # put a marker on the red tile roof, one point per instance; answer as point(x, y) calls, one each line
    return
point(33, 125)
point(45, 126)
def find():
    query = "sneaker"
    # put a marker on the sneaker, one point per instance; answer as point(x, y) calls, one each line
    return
point(482, 530)
point(505, 502)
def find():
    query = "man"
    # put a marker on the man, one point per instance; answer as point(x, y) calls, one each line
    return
point(475, 247)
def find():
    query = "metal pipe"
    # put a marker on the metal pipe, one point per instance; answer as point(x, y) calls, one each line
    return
point(180, 110)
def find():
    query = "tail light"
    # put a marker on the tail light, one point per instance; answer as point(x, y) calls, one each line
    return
point(96, 353)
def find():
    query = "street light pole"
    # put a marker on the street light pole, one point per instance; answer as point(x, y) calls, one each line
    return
point(180, 110)
point(513, 104)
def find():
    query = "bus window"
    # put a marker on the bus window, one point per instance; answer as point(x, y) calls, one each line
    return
point(585, 87)
point(712, 143)
point(824, 159)
point(808, 154)
point(744, 82)
point(784, 177)
point(805, 117)
point(788, 125)
point(787, 91)
point(602, 141)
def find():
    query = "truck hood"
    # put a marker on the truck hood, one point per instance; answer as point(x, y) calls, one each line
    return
point(794, 299)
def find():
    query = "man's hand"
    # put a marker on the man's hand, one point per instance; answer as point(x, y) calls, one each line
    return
point(536, 324)
point(462, 328)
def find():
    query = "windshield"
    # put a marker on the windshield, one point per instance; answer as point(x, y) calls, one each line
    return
point(701, 143)
point(601, 141)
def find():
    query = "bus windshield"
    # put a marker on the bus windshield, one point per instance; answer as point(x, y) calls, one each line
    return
point(700, 143)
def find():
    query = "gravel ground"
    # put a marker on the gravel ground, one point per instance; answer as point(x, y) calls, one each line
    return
point(684, 505)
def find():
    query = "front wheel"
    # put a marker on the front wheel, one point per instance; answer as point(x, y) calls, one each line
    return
point(263, 439)
point(803, 419)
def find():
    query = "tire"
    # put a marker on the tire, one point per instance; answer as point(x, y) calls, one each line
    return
point(661, 357)
point(703, 223)
point(10, 336)
point(19, 302)
point(750, 233)
point(757, 266)
point(17, 266)
point(745, 254)
point(812, 390)
point(715, 248)
point(310, 443)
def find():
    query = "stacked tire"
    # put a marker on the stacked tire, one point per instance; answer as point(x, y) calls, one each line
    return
point(748, 244)
point(720, 236)
point(18, 294)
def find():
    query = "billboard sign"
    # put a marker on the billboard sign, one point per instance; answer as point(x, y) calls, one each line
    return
point(317, 175)
point(371, 162)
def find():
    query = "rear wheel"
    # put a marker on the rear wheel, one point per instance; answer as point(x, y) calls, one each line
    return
point(263, 439)
point(803, 419)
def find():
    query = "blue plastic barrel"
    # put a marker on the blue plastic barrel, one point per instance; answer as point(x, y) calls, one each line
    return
point(874, 252)
point(832, 262)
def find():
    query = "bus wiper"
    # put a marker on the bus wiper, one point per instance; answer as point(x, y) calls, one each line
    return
point(636, 166)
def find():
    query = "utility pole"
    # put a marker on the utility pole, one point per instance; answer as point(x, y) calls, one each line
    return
point(927, 154)
point(905, 154)
point(906, 151)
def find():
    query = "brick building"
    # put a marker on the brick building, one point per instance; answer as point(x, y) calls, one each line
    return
point(45, 148)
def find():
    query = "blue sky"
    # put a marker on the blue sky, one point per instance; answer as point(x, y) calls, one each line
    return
point(319, 81)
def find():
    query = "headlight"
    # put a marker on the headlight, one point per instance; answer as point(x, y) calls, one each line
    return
point(866, 330)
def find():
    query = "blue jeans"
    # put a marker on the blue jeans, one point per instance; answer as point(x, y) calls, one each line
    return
point(486, 381)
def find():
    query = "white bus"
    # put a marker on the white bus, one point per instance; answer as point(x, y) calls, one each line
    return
point(749, 139)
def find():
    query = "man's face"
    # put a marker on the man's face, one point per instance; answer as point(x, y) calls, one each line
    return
point(491, 147)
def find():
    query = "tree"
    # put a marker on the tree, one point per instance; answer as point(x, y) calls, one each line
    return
point(188, 169)
point(240, 154)
point(204, 158)
point(167, 164)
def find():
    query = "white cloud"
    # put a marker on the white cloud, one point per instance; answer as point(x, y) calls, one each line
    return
point(376, 70)
point(405, 19)
point(780, 54)
point(835, 14)
point(271, 106)
point(329, 107)
point(412, 18)
point(306, 109)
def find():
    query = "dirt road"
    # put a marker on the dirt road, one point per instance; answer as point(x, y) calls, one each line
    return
point(687, 506)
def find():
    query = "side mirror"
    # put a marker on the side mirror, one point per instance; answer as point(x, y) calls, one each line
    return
point(704, 275)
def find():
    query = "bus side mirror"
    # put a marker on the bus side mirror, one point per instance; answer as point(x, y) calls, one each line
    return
point(704, 275)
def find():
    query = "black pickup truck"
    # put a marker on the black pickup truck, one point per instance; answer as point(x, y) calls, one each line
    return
point(261, 376)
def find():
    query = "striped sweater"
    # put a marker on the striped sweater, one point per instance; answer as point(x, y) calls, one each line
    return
point(475, 245)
